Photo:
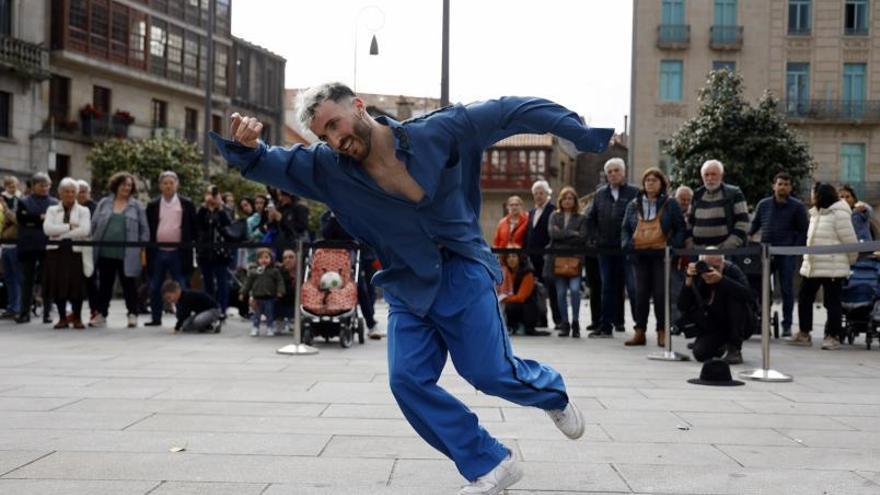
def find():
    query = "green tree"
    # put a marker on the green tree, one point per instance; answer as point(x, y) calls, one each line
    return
point(753, 142)
point(146, 159)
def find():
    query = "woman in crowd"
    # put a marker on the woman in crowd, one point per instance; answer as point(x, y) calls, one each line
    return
point(517, 294)
point(568, 230)
point(67, 267)
point(652, 221)
point(119, 217)
point(862, 213)
point(830, 225)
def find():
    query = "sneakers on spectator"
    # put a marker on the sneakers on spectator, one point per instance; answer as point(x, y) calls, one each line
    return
point(255, 332)
point(98, 321)
point(375, 333)
point(496, 481)
point(830, 343)
point(570, 421)
point(269, 331)
point(733, 356)
point(802, 339)
point(786, 331)
point(132, 320)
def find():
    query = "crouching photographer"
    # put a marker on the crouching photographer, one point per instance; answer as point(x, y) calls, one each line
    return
point(715, 308)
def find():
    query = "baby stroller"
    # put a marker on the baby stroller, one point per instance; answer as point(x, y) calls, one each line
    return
point(331, 311)
point(858, 299)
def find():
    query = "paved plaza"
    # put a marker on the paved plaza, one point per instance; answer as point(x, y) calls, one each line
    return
point(141, 411)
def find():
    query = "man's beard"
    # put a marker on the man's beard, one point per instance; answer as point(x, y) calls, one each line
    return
point(363, 132)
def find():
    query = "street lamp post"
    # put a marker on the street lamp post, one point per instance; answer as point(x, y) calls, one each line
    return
point(444, 58)
point(374, 43)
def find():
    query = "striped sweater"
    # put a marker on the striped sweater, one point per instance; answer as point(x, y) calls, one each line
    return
point(719, 218)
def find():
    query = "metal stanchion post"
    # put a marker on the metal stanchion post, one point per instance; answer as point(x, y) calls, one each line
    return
point(765, 374)
point(668, 354)
point(298, 348)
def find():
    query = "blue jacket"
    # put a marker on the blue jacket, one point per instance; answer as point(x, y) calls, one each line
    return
point(443, 153)
point(781, 224)
point(671, 221)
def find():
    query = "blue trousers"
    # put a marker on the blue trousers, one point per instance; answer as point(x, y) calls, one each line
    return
point(264, 307)
point(616, 274)
point(164, 262)
point(570, 287)
point(464, 323)
point(12, 278)
point(783, 268)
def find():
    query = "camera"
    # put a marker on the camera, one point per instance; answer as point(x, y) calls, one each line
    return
point(702, 267)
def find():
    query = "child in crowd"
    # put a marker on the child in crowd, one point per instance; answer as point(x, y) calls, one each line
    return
point(264, 284)
point(196, 310)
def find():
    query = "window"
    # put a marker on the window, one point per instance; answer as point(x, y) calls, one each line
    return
point(722, 64)
point(191, 59)
point(856, 17)
point(221, 18)
point(5, 114)
point(78, 24)
point(725, 12)
point(797, 88)
point(671, 80)
point(6, 17)
point(191, 127)
point(158, 45)
point(62, 170)
point(673, 13)
point(852, 165)
point(99, 28)
point(59, 99)
point(221, 60)
point(203, 61)
point(119, 33)
point(160, 114)
point(854, 90)
point(217, 124)
point(242, 69)
point(137, 48)
point(101, 99)
point(175, 53)
point(266, 135)
point(799, 16)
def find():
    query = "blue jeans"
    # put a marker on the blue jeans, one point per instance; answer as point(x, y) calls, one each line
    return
point(616, 274)
point(573, 287)
point(164, 262)
point(464, 323)
point(215, 278)
point(11, 278)
point(783, 269)
point(263, 307)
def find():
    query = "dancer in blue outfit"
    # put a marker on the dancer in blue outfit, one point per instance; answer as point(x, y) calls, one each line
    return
point(411, 190)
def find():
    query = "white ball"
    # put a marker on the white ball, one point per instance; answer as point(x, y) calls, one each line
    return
point(330, 280)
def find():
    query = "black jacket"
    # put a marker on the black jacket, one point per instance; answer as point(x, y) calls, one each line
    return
point(31, 238)
point(538, 237)
point(193, 302)
point(209, 226)
point(733, 285)
point(605, 217)
point(187, 234)
point(294, 224)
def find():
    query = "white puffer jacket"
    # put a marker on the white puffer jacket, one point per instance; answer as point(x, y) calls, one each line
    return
point(830, 227)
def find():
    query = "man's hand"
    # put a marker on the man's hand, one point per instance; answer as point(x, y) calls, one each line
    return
point(245, 130)
point(712, 277)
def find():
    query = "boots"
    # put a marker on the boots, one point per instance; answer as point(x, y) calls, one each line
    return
point(575, 329)
point(638, 338)
point(564, 329)
point(661, 337)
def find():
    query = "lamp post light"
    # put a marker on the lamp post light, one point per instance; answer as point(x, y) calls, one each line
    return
point(379, 15)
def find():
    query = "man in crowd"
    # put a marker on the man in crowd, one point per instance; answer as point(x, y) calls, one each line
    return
point(684, 195)
point(512, 227)
point(9, 233)
point(782, 221)
point(537, 237)
point(604, 219)
point(716, 298)
point(719, 213)
point(213, 259)
point(196, 311)
point(294, 223)
point(172, 218)
point(32, 242)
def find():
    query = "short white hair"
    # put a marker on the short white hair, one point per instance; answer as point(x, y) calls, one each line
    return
point(69, 182)
point(169, 173)
point(712, 163)
point(615, 162)
point(84, 186)
point(542, 185)
point(684, 189)
point(307, 101)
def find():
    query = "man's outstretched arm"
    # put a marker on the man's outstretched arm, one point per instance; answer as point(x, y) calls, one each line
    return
point(495, 120)
point(289, 169)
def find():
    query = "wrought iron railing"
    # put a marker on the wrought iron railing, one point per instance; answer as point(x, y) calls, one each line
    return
point(864, 111)
point(726, 37)
point(673, 35)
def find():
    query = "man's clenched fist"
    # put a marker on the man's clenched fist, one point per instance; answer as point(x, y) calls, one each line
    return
point(245, 130)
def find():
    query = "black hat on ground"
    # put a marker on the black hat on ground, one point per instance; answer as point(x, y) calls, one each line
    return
point(716, 372)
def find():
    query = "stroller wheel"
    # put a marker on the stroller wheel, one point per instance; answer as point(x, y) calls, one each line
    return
point(345, 337)
point(307, 335)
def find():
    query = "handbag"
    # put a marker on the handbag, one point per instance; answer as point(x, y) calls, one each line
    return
point(566, 266)
point(649, 233)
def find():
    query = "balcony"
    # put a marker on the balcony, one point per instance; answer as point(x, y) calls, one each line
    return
point(28, 59)
point(673, 36)
point(831, 111)
point(726, 38)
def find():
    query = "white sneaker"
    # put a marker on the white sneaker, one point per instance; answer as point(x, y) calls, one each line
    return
point(830, 344)
point(98, 321)
point(497, 480)
point(270, 332)
point(570, 421)
point(255, 332)
point(132, 321)
point(376, 333)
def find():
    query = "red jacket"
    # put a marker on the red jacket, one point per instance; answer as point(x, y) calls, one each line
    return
point(503, 236)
